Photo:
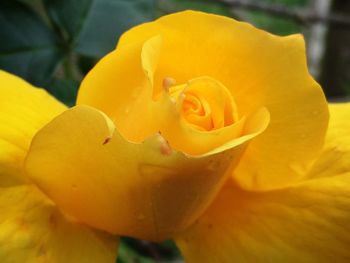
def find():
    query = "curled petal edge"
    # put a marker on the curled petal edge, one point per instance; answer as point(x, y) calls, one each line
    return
point(145, 190)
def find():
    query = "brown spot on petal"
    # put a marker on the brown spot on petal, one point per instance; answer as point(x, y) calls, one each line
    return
point(106, 140)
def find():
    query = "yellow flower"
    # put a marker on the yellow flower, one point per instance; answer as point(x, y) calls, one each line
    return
point(197, 128)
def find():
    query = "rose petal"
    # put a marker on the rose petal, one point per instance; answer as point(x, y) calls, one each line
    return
point(308, 222)
point(119, 86)
point(32, 230)
point(335, 156)
point(23, 111)
point(124, 92)
point(261, 70)
point(144, 190)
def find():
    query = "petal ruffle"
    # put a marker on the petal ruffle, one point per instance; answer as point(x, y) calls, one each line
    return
point(308, 222)
point(335, 156)
point(261, 70)
point(32, 230)
point(23, 111)
point(144, 190)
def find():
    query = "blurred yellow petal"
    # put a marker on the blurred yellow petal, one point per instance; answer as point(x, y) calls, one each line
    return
point(308, 222)
point(260, 70)
point(23, 111)
point(335, 156)
point(145, 190)
point(32, 230)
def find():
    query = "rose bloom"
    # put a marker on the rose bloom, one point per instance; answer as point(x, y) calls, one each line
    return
point(196, 128)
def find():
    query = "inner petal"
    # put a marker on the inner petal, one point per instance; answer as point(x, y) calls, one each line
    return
point(197, 112)
point(192, 104)
point(205, 103)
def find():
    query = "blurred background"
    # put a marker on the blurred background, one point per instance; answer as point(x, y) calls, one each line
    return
point(54, 43)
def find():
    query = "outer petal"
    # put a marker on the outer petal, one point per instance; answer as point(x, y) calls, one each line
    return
point(119, 86)
point(142, 190)
point(261, 70)
point(309, 222)
point(23, 111)
point(32, 230)
point(335, 156)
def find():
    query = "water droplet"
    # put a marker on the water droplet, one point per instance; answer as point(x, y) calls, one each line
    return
point(315, 112)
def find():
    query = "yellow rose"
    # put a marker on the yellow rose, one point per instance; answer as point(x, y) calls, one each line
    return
point(197, 128)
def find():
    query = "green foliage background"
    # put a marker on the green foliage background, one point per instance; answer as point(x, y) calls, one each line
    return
point(54, 43)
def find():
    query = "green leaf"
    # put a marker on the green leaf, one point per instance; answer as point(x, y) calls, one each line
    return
point(28, 48)
point(64, 90)
point(128, 255)
point(134, 250)
point(94, 26)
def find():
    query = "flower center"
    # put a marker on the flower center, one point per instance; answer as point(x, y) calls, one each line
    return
point(203, 102)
